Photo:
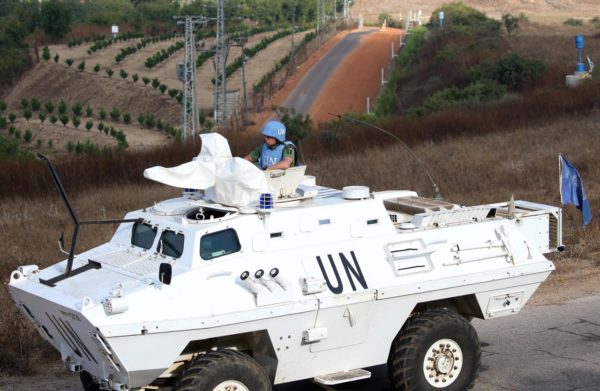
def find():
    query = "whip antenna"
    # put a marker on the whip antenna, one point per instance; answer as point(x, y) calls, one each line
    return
point(437, 195)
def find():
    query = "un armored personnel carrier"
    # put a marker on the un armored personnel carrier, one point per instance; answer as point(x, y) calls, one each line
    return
point(255, 281)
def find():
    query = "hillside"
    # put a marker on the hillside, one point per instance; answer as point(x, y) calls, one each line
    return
point(536, 10)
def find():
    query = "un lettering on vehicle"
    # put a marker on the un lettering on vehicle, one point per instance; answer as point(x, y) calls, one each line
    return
point(342, 272)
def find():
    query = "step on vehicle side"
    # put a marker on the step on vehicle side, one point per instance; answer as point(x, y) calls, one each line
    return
point(301, 282)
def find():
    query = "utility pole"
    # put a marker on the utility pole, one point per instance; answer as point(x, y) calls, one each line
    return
point(241, 42)
point(191, 125)
point(220, 63)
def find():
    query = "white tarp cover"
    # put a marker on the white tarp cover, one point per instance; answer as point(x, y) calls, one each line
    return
point(227, 180)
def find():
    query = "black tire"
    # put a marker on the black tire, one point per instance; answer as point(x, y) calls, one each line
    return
point(87, 381)
point(206, 372)
point(414, 346)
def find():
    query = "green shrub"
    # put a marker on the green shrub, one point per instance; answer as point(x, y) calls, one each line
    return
point(513, 71)
point(81, 66)
point(38, 143)
point(64, 119)
point(27, 114)
point(76, 109)
point(115, 114)
point(50, 143)
point(42, 116)
point(12, 117)
point(141, 119)
point(96, 68)
point(46, 53)
point(155, 83)
point(49, 106)
point(100, 126)
point(135, 77)
point(69, 61)
point(35, 104)
point(123, 74)
point(102, 114)
point(17, 134)
point(3, 122)
point(126, 118)
point(53, 119)
point(89, 111)
point(56, 58)
point(511, 23)
point(62, 107)
point(150, 121)
point(573, 22)
point(24, 103)
point(11, 130)
point(76, 122)
point(27, 136)
point(475, 93)
point(110, 72)
point(145, 80)
point(89, 125)
point(2, 106)
point(162, 88)
point(9, 148)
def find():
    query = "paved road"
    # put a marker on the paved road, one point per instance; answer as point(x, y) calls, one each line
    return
point(544, 348)
point(307, 90)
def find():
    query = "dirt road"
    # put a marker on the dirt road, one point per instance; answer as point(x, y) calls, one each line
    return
point(346, 75)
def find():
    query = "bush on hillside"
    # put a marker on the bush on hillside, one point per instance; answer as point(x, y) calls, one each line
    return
point(475, 93)
point(46, 54)
point(513, 71)
point(49, 106)
point(62, 107)
point(35, 104)
point(573, 22)
point(76, 109)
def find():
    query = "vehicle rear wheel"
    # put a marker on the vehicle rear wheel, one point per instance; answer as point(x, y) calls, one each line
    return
point(223, 370)
point(87, 381)
point(435, 350)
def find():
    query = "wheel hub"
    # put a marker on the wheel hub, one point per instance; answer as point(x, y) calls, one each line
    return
point(442, 363)
point(231, 385)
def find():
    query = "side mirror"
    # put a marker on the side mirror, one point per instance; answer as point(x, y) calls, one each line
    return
point(165, 271)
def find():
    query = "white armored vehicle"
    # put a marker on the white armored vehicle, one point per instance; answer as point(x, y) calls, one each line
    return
point(254, 282)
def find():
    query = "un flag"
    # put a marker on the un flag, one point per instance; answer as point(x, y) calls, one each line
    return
point(572, 191)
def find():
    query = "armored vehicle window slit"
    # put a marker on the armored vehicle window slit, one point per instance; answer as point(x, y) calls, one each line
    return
point(143, 235)
point(220, 243)
point(171, 244)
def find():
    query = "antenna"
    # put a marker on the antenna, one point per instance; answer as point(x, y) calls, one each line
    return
point(69, 272)
point(437, 195)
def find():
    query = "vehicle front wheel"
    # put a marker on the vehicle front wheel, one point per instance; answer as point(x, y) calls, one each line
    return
point(435, 350)
point(87, 381)
point(223, 370)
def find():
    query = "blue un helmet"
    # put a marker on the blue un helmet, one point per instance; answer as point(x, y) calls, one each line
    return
point(274, 129)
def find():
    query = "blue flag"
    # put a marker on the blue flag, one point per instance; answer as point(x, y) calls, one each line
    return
point(572, 191)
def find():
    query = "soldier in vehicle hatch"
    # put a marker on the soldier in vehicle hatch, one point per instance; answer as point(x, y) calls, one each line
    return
point(275, 152)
